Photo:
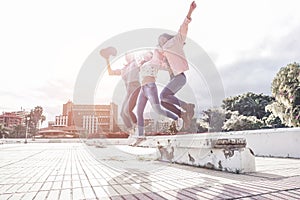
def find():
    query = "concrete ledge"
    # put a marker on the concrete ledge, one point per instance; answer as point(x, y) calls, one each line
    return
point(103, 142)
point(280, 143)
point(215, 153)
point(225, 154)
point(226, 151)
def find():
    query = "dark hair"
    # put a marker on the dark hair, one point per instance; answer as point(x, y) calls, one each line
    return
point(166, 35)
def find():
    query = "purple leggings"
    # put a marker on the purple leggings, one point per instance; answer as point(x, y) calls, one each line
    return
point(149, 92)
point(167, 95)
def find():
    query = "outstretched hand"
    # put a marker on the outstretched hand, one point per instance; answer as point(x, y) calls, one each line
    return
point(192, 8)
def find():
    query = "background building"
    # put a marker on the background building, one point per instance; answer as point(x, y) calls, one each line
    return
point(90, 124)
point(83, 121)
point(22, 114)
point(10, 120)
point(61, 120)
point(91, 118)
point(67, 111)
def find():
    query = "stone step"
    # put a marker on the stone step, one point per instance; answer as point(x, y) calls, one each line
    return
point(225, 154)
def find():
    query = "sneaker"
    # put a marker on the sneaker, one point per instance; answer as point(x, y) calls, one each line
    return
point(185, 107)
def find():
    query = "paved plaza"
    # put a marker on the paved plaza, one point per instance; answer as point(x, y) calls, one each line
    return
point(78, 171)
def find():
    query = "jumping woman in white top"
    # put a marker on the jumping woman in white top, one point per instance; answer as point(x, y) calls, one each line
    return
point(148, 73)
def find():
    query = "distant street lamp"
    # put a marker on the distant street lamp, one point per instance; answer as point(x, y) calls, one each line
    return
point(27, 120)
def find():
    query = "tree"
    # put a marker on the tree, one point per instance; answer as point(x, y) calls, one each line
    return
point(249, 104)
point(202, 127)
point(214, 118)
point(3, 131)
point(18, 131)
point(286, 90)
point(35, 117)
point(192, 128)
point(273, 122)
point(240, 122)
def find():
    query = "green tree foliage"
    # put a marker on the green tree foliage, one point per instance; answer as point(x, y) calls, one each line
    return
point(214, 118)
point(35, 117)
point(249, 104)
point(238, 122)
point(273, 121)
point(202, 127)
point(4, 132)
point(218, 119)
point(18, 131)
point(193, 128)
point(286, 90)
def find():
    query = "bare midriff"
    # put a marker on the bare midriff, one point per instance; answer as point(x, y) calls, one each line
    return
point(148, 79)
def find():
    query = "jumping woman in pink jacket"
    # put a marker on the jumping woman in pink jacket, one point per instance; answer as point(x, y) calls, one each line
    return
point(172, 47)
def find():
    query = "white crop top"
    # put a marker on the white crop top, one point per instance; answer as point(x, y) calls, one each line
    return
point(149, 69)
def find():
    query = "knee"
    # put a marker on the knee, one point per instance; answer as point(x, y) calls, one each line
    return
point(163, 96)
point(165, 93)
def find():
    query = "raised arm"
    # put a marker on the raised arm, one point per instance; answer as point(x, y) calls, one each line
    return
point(116, 72)
point(184, 27)
point(192, 8)
point(106, 53)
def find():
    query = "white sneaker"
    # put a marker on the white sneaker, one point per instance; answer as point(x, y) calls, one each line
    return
point(179, 124)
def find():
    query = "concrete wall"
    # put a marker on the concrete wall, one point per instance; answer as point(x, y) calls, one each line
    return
point(284, 142)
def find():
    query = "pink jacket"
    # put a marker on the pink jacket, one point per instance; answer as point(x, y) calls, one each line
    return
point(173, 49)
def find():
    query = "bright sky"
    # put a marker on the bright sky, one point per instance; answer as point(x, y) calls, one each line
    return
point(43, 44)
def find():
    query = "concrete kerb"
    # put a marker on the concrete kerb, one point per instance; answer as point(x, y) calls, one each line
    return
point(209, 151)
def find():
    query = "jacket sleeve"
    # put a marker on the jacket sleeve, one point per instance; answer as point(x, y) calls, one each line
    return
point(182, 33)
